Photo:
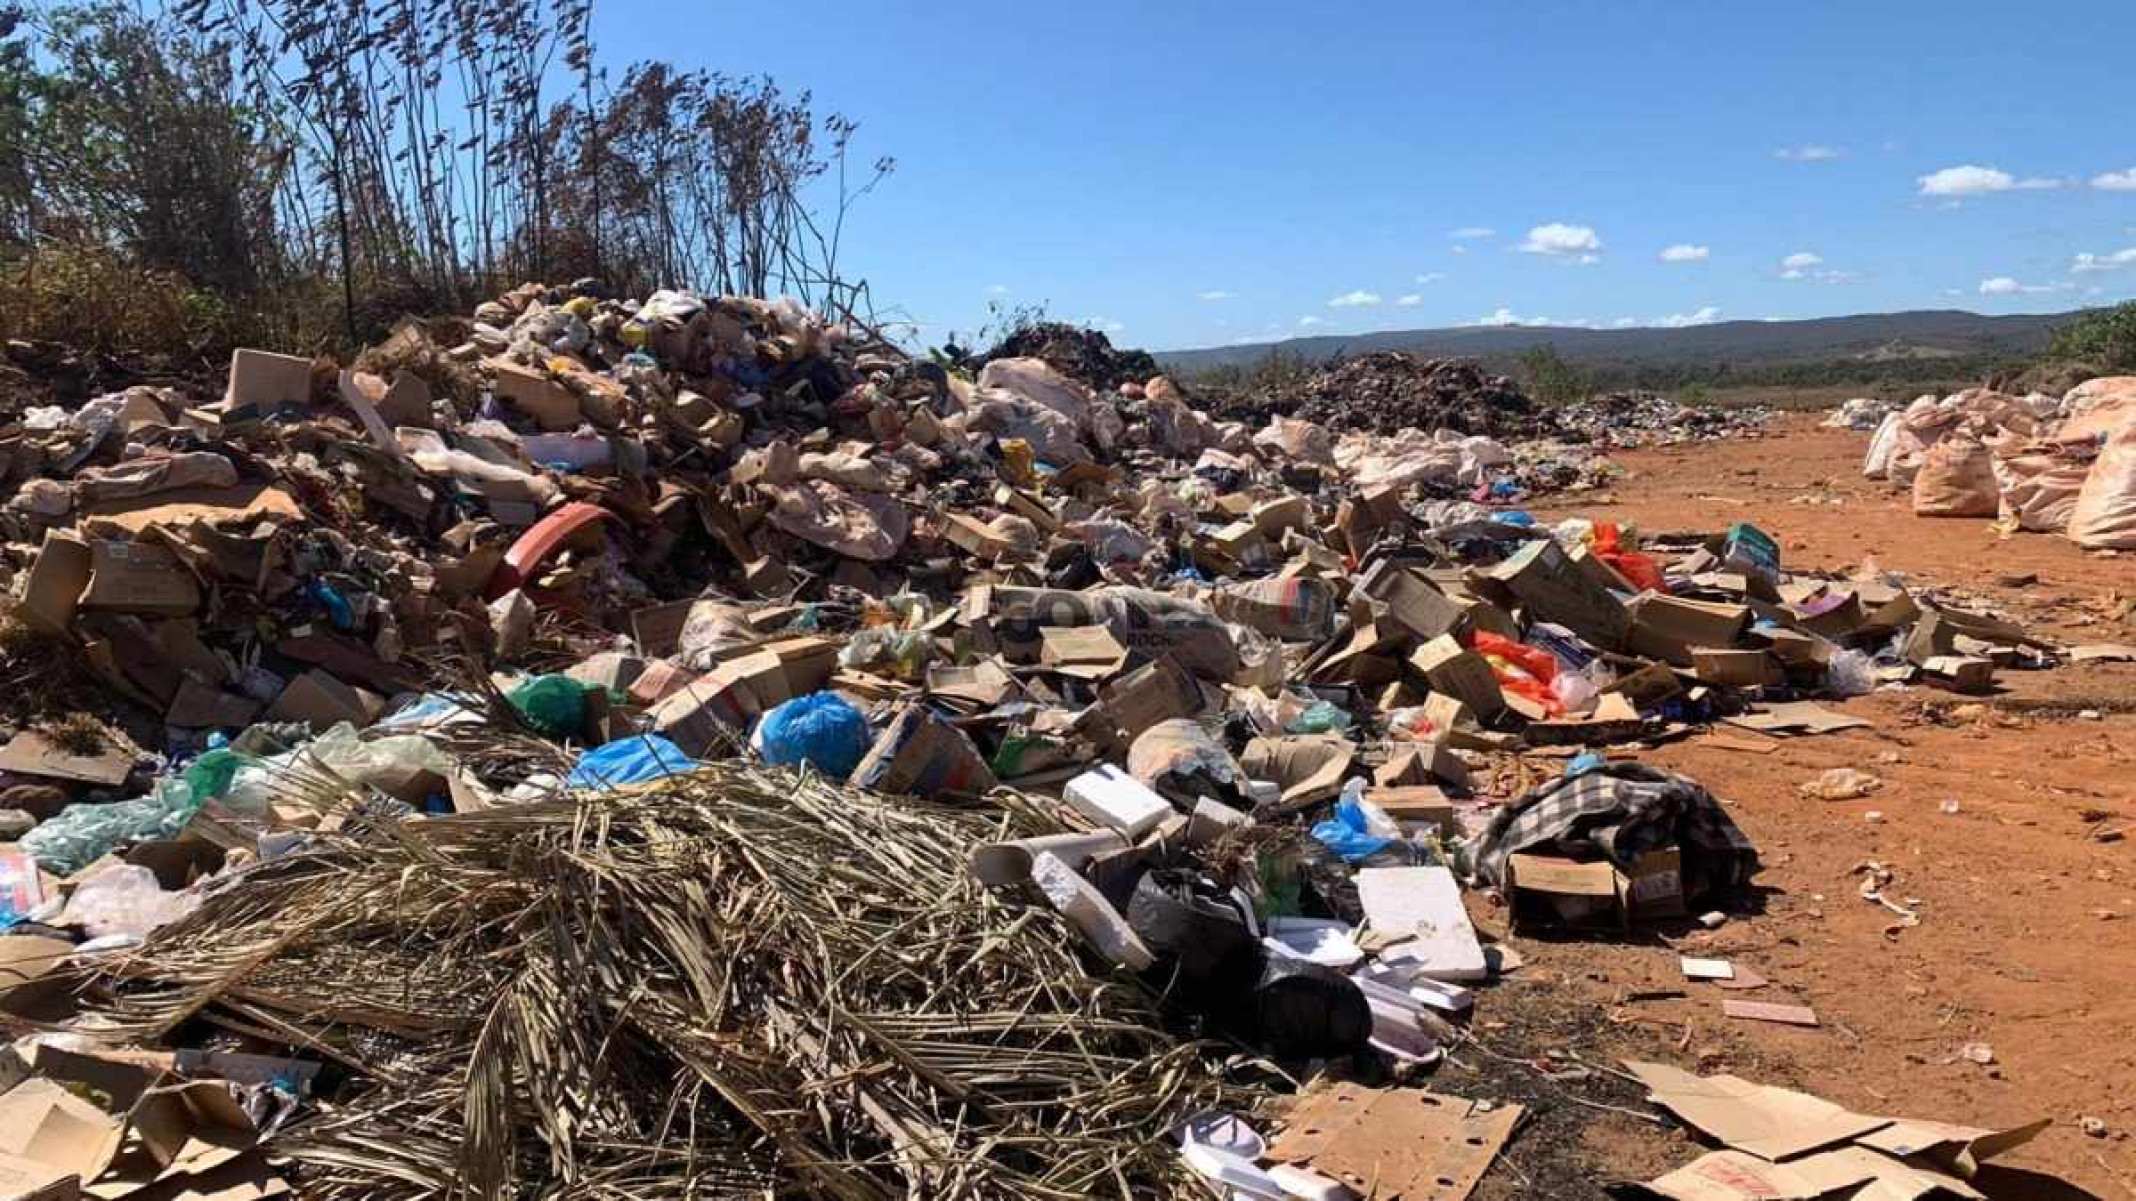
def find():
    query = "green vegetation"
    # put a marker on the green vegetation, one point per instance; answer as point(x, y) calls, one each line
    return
point(1550, 379)
point(2103, 338)
point(177, 178)
point(1278, 371)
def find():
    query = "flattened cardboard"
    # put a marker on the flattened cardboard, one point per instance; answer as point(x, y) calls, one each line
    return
point(1395, 1143)
point(1806, 717)
point(1770, 1011)
point(1771, 1123)
point(30, 753)
point(1962, 1148)
point(243, 504)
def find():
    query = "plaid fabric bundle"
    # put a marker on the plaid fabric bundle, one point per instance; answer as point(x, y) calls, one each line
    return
point(1619, 812)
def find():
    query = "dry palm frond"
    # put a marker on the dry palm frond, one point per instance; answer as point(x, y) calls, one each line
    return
point(739, 982)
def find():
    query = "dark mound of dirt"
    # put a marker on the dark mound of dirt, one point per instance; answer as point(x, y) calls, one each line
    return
point(1392, 391)
point(1084, 354)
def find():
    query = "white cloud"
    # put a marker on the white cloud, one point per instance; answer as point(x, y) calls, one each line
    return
point(1431, 277)
point(2105, 262)
point(1359, 299)
point(1685, 252)
point(1798, 264)
point(1806, 154)
point(1213, 294)
point(1460, 249)
point(1705, 315)
point(1309, 321)
point(997, 289)
point(1559, 240)
point(1104, 324)
point(1804, 264)
point(1505, 316)
point(2003, 285)
point(1971, 180)
point(1469, 233)
point(1411, 300)
point(2116, 181)
point(1625, 322)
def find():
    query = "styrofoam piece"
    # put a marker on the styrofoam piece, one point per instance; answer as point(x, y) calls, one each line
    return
point(1109, 796)
point(1422, 906)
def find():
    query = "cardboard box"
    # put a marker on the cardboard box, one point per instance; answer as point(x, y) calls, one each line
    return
point(1545, 890)
point(1735, 668)
point(1413, 602)
point(1460, 673)
point(975, 537)
point(1085, 652)
point(139, 577)
point(1416, 805)
point(552, 406)
point(321, 699)
point(1133, 703)
point(1667, 627)
point(200, 706)
point(1552, 587)
point(52, 589)
point(1275, 516)
point(922, 755)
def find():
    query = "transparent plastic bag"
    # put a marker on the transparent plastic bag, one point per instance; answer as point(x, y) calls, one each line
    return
point(124, 900)
point(1850, 673)
point(82, 834)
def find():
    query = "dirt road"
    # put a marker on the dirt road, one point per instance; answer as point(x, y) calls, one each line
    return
point(2000, 823)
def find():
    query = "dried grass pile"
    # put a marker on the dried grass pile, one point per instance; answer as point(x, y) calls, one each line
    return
point(739, 982)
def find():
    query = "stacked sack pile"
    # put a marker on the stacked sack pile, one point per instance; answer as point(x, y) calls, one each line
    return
point(2033, 463)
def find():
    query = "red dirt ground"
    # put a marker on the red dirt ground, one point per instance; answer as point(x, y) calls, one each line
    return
point(2026, 895)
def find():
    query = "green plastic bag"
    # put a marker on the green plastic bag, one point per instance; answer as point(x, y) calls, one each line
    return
point(553, 705)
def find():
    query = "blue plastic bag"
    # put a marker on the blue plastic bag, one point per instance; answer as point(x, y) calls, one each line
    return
point(632, 760)
point(1345, 834)
point(820, 729)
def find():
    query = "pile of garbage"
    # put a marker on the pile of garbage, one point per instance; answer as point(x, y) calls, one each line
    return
point(1079, 352)
point(1393, 391)
point(909, 778)
point(2037, 462)
point(1628, 419)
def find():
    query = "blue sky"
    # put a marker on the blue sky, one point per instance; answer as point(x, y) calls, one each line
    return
point(1191, 173)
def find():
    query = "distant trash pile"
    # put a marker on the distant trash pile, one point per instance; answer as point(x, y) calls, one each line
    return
point(2037, 463)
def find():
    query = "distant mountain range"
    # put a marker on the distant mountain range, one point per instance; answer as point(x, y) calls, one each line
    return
point(1868, 337)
